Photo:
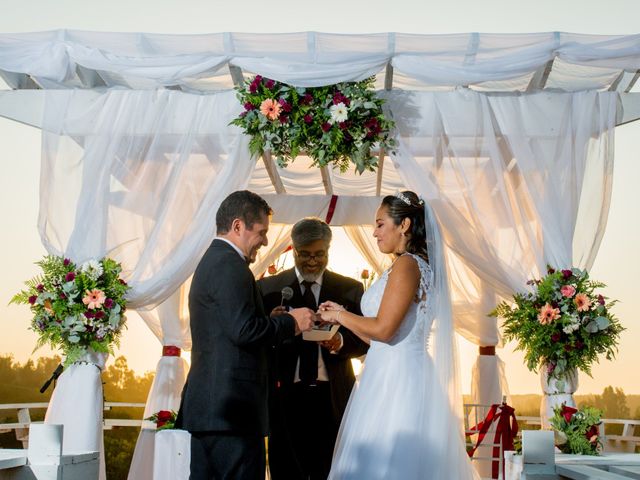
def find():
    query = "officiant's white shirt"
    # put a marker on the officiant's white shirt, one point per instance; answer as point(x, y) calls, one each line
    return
point(323, 376)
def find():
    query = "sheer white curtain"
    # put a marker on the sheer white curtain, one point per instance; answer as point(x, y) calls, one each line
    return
point(518, 182)
point(171, 372)
point(138, 176)
point(362, 237)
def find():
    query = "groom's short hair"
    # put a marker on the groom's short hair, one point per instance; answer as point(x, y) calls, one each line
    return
point(308, 230)
point(243, 204)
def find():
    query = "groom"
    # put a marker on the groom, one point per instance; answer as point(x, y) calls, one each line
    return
point(224, 401)
point(312, 382)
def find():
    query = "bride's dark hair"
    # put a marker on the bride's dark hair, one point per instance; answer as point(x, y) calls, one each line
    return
point(408, 205)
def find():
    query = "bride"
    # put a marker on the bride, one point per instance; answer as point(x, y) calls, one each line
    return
point(401, 421)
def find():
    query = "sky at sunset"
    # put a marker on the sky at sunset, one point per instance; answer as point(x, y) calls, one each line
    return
point(618, 260)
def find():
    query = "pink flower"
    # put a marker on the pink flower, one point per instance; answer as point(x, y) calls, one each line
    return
point(270, 109)
point(94, 298)
point(548, 314)
point(582, 302)
point(568, 291)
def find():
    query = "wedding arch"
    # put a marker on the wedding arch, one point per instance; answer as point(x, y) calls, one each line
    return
point(508, 136)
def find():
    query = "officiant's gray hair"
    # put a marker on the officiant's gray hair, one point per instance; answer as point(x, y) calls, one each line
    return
point(308, 230)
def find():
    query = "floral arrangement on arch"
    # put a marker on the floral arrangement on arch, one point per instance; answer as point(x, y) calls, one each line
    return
point(76, 307)
point(335, 124)
point(164, 419)
point(564, 323)
point(576, 431)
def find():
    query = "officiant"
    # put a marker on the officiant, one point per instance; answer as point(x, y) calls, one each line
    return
point(311, 381)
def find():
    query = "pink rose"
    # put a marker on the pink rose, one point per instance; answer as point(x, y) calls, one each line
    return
point(568, 291)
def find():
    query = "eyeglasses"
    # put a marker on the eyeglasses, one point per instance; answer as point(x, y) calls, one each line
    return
point(306, 256)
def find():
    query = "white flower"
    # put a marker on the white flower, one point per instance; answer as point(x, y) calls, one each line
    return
point(572, 327)
point(92, 269)
point(338, 112)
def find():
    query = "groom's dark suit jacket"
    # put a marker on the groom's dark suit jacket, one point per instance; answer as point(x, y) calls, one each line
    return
point(343, 290)
point(226, 390)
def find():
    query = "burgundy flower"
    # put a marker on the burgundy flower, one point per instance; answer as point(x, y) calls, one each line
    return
point(555, 337)
point(338, 97)
point(568, 412)
point(286, 106)
point(568, 348)
point(70, 277)
point(567, 274)
point(62, 296)
point(32, 299)
point(248, 106)
point(108, 303)
point(306, 99)
point(40, 287)
point(600, 299)
point(283, 119)
point(308, 118)
point(373, 126)
point(343, 125)
point(347, 137)
point(579, 344)
point(550, 368)
point(99, 314)
point(89, 314)
point(66, 262)
point(257, 79)
point(253, 88)
point(592, 434)
point(269, 84)
point(88, 328)
point(122, 282)
point(243, 114)
point(550, 270)
point(326, 126)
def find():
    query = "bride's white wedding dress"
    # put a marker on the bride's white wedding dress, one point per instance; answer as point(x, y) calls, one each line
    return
point(399, 423)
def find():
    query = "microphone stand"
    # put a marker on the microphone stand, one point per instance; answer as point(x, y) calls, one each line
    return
point(54, 376)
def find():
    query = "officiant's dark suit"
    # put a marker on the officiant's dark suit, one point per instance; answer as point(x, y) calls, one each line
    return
point(224, 401)
point(305, 411)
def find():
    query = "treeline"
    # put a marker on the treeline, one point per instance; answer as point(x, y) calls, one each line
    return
point(20, 383)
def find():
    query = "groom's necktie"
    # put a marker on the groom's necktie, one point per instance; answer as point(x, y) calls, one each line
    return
point(309, 350)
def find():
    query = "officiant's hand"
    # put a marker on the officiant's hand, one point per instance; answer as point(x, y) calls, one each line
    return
point(305, 319)
point(334, 344)
point(279, 310)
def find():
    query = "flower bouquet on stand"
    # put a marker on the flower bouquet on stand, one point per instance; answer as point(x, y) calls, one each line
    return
point(78, 309)
point(335, 124)
point(563, 324)
point(577, 431)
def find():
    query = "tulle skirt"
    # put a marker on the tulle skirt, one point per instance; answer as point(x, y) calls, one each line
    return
point(398, 423)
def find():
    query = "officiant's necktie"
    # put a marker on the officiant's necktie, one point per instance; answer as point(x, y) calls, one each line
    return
point(309, 350)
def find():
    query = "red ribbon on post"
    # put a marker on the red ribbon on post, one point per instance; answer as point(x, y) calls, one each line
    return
point(506, 431)
point(170, 351)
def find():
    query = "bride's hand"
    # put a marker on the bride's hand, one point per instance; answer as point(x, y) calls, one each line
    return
point(329, 312)
point(329, 305)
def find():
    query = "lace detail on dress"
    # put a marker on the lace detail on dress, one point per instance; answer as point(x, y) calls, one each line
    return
point(418, 318)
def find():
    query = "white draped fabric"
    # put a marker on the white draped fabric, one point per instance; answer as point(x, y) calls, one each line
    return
point(69, 58)
point(171, 373)
point(76, 404)
point(530, 187)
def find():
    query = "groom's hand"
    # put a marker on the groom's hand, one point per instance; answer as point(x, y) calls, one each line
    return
point(279, 310)
point(305, 319)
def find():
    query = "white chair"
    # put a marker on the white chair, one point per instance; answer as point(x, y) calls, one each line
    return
point(45, 460)
point(488, 452)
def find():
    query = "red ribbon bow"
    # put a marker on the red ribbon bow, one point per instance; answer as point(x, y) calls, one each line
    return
point(170, 351)
point(506, 430)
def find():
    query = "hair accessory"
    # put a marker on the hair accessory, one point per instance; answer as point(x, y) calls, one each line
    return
point(404, 198)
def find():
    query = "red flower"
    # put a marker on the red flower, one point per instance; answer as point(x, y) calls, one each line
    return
point(283, 119)
point(249, 106)
point(40, 287)
point(567, 274)
point(32, 299)
point(164, 415)
point(286, 106)
point(365, 274)
point(108, 303)
point(306, 99)
point(568, 412)
point(69, 277)
point(555, 337)
point(269, 84)
point(326, 126)
point(272, 269)
point(308, 118)
point(66, 262)
point(592, 434)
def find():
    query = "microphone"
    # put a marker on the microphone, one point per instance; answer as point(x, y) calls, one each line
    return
point(287, 294)
point(54, 376)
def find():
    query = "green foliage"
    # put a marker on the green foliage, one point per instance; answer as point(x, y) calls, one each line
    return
point(564, 322)
point(76, 308)
point(577, 431)
point(335, 124)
